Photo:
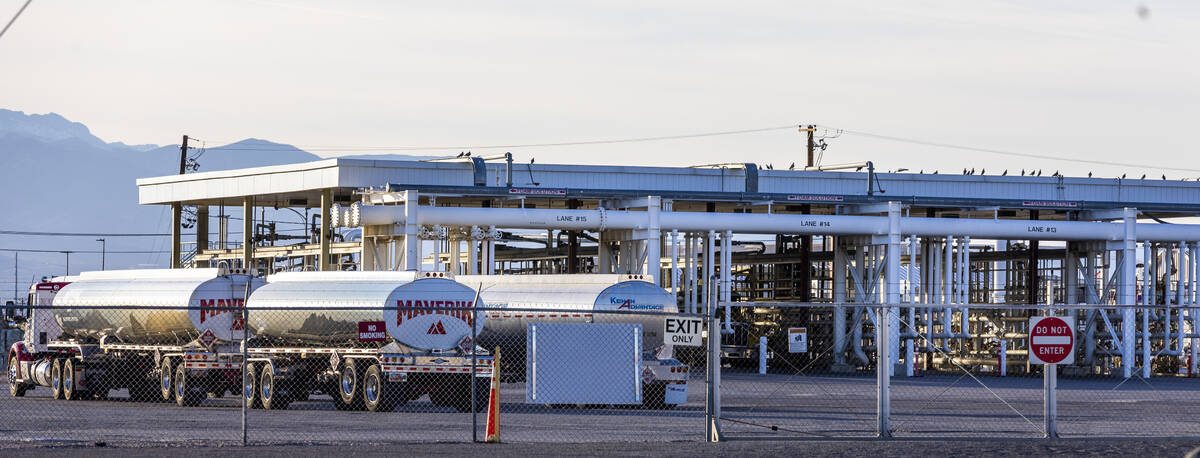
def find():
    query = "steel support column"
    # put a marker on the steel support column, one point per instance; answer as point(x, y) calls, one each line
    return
point(323, 255)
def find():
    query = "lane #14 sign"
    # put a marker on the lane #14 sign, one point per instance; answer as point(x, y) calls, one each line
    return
point(1051, 340)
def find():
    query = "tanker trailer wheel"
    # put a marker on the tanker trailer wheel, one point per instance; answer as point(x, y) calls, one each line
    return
point(250, 386)
point(188, 393)
point(378, 394)
point(56, 379)
point(271, 391)
point(350, 386)
point(166, 375)
point(15, 389)
point(70, 381)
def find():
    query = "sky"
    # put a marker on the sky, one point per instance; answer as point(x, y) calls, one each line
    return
point(1102, 80)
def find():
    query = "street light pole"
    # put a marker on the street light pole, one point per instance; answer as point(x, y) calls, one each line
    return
point(102, 245)
point(68, 253)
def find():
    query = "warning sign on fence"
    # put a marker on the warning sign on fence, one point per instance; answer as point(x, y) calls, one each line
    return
point(798, 340)
point(1051, 340)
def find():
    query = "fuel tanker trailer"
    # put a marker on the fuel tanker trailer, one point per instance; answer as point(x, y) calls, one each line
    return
point(162, 334)
point(370, 340)
point(514, 301)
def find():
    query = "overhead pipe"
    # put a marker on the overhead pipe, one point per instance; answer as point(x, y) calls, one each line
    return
point(766, 223)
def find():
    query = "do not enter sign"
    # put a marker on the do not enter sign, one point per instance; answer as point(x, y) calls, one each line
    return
point(1051, 340)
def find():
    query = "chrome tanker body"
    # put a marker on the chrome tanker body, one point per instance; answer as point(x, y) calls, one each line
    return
point(162, 334)
point(385, 338)
point(162, 306)
point(332, 304)
point(382, 338)
point(514, 301)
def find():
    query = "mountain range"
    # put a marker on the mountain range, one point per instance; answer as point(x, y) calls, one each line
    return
point(56, 176)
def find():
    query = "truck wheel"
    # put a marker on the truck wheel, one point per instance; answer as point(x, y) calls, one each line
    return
point(70, 384)
point(378, 394)
point(350, 386)
point(273, 396)
point(15, 389)
point(188, 393)
point(462, 396)
point(166, 386)
point(250, 386)
point(56, 379)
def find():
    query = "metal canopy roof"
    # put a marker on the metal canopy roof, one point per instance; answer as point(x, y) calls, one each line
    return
point(733, 185)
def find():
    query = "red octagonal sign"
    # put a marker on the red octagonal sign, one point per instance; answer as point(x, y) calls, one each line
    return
point(1051, 340)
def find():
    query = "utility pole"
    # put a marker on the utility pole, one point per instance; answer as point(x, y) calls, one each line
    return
point(177, 211)
point(811, 146)
point(102, 246)
point(183, 153)
point(68, 253)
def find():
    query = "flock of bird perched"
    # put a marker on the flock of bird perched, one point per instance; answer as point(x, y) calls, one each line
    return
point(965, 171)
point(1032, 173)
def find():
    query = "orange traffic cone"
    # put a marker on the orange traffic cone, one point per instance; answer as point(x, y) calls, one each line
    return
point(493, 418)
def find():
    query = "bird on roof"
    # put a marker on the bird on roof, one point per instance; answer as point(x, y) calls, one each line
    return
point(1143, 176)
point(935, 172)
point(982, 171)
point(460, 154)
point(468, 154)
point(1022, 172)
point(531, 160)
point(770, 167)
point(792, 167)
point(1005, 173)
point(922, 172)
point(1057, 174)
point(1123, 176)
point(859, 169)
point(1164, 176)
point(1089, 174)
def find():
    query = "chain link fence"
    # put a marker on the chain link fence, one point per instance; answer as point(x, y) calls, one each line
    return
point(314, 375)
point(120, 374)
point(958, 371)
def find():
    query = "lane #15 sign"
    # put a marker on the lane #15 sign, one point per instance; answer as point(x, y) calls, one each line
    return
point(683, 331)
point(1051, 340)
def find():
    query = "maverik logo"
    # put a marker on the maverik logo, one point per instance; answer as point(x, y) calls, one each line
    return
point(436, 328)
point(212, 307)
point(628, 304)
point(403, 314)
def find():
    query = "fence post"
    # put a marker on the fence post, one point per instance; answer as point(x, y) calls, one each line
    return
point(1050, 379)
point(712, 404)
point(245, 352)
point(883, 372)
point(474, 345)
point(762, 355)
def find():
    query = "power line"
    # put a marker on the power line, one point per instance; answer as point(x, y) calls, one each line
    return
point(82, 234)
point(15, 16)
point(32, 250)
point(1011, 153)
point(522, 145)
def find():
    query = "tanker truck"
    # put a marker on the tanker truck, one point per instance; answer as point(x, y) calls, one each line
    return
point(370, 340)
point(582, 298)
point(161, 334)
point(177, 335)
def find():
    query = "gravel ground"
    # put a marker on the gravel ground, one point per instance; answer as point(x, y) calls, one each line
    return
point(864, 447)
point(811, 411)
